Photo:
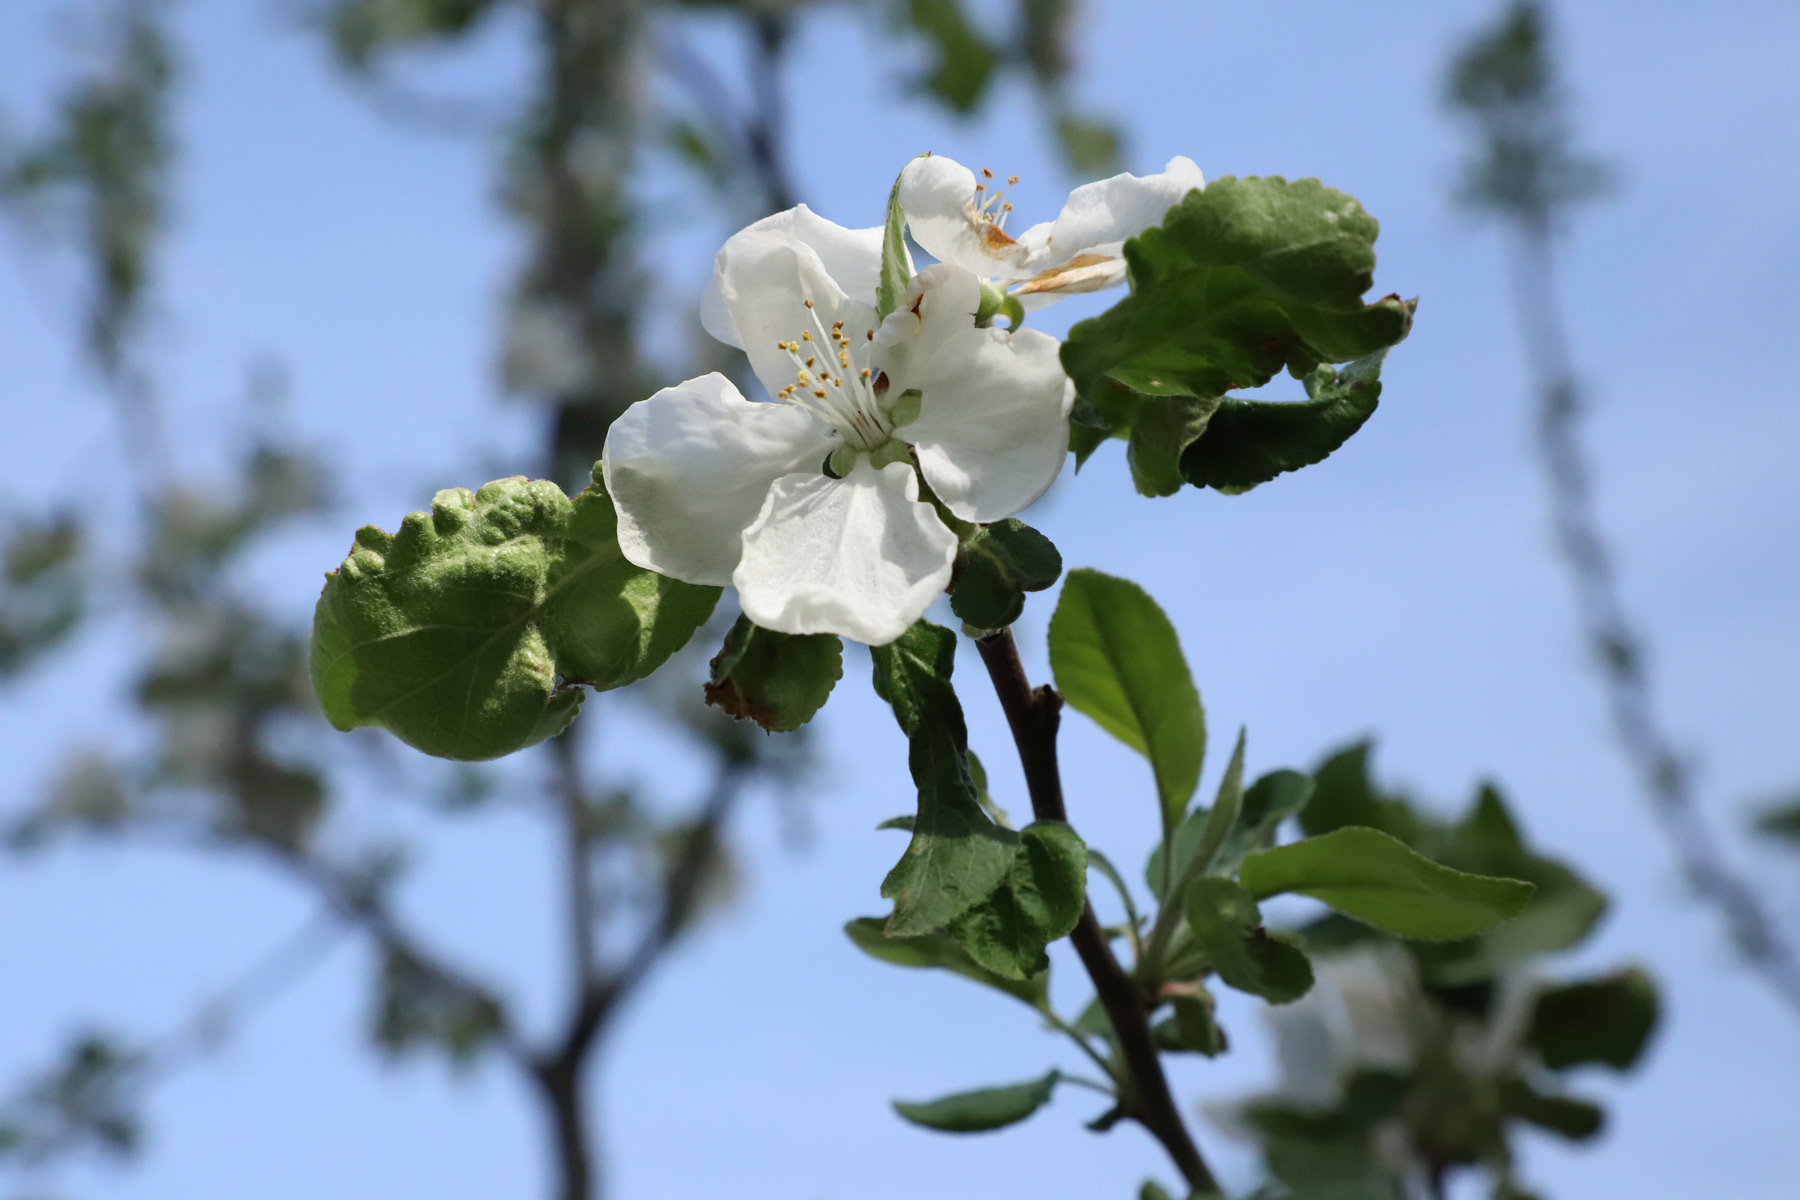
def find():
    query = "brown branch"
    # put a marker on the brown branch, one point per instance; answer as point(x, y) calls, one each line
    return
point(1034, 715)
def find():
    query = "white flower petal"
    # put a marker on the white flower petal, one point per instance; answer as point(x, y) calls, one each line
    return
point(852, 257)
point(858, 556)
point(689, 468)
point(993, 426)
point(940, 303)
point(766, 279)
point(938, 197)
point(1100, 216)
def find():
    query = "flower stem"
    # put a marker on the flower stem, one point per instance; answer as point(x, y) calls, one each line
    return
point(1034, 715)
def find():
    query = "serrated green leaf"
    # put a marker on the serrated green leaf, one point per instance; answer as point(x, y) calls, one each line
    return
point(995, 566)
point(1162, 430)
point(939, 952)
point(981, 1110)
point(1039, 901)
point(465, 633)
point(1227, 925)
point(1116, 658)
point(1243, 279)
point(1249, 442)
point(957, 856)
point(1605, 1020)
point(1381, 881)
point(778, 680)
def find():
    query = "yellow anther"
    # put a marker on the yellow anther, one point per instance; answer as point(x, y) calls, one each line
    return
point(843, 359)
point(810, 360)
point(1012, 180)
point(986, 174)
point(865, 372)
point(819, 392)
point(804, 335)
point(981, 187)
point(804, 379)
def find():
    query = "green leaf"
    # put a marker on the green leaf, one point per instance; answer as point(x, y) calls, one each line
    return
point(1198, 837)
point(1574, 1119)
point(1244, 278)
point(1116, 658)
point(1227, 925)
point(1249, 442)
point(957, 856)
point(1194, 1027)
point(1039, 901)
point(938, 951)
point(1343, 794)
point(1604, 1020)
point(1379, 880)
point(1269, 801)
point(778, 680)
point(995, 566)
point(1186, 840)
point(1226, 806)
point(465, 633)
point(982, 1110)
point(1564, 909)
point(896, 263)
point(1161, 433)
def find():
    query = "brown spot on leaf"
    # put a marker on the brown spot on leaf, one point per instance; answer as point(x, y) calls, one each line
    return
point(726, 697)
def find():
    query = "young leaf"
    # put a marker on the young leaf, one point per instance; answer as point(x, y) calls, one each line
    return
point(1267, 803)
point(1249, 442)
point(896, 262)
point(778, 680)
point(995, 567)
point(936, 950)
point(463, 634)
point(1038, 902)
point(1224, 815)
point(1193, 1028)
point(1228, 927)
point(1117, 659)
point(1604, 1020)
point(957, 856)
point(1379, 880)
point(980, 1111)
point(1574, 1119)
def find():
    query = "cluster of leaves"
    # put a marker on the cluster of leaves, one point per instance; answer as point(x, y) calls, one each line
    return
point(1117, 659)
point(1243, 279)
point(1427, 1057)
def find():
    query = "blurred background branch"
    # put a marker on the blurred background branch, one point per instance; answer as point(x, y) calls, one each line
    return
point(1526, 174)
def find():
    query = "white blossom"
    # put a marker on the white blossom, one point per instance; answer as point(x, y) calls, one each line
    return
point(811, 506)
point(959, 218)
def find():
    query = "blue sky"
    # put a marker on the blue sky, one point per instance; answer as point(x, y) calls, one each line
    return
point(1406, 587)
